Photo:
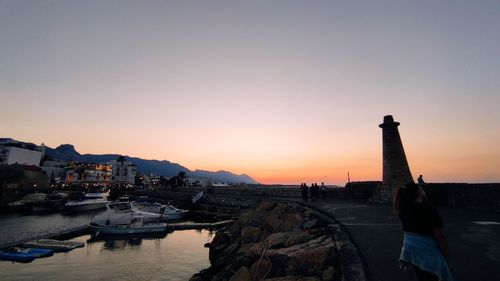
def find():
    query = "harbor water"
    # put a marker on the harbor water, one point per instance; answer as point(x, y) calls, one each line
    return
point(173, 256)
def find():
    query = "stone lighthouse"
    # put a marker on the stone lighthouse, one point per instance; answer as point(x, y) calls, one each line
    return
point(396, 171)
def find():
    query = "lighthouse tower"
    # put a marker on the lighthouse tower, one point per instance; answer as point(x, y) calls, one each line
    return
point(396, 171)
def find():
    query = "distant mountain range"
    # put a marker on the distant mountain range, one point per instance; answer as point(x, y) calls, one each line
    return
point(67, 152)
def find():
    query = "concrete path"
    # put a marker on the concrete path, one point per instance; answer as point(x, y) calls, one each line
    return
point(473, 237)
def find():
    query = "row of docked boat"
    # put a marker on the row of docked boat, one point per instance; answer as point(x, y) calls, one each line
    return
point(41, 202)
point(137, 217)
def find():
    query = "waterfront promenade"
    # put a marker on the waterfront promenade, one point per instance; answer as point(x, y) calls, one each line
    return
point(473, 236)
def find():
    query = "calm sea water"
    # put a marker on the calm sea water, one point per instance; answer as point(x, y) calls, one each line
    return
point(176, 256)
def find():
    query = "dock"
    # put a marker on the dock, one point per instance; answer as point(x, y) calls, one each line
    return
point(61, 235)
point(194, 225)
point(85, 230)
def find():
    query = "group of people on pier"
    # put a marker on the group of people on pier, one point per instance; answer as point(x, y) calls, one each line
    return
point(314, 189)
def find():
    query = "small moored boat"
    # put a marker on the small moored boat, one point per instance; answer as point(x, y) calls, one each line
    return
point(25, 203)
point(51, 203)
point(167, 212)
point(24, 254)
point(122, 213)
point(85, 205)
point(136, 226)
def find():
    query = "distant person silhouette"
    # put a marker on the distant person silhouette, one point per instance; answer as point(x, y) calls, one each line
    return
point(304, 190)
point(420, 180)
point(323, 191)
point(425, 187)
point(316, 191)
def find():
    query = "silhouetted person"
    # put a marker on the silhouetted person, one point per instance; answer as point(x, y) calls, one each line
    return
point(420, 180)
point(323, 191)
point(315, 191)
point(425, 187)
point(424, 243)
point(305, 191)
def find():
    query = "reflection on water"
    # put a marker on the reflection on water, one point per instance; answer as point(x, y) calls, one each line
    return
point(120, 241)
point(176, 256)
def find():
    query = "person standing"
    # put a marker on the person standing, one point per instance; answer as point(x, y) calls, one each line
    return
point(304, 191)
point(313, 191)
point(426, 188)
point(420, 180)
point(424, 243)
point(323, 191)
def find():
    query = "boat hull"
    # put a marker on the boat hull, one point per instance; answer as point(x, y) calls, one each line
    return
point(174, 216)
point(85, 206)
point(26, 255)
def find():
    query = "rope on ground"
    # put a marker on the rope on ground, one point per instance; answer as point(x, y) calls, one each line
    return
point(264, 253)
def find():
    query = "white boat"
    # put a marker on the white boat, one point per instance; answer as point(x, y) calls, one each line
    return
point(90, 201)
point(167, 212)
point(85, 205)
point(136, 226)
point(172, 213)
point(121, 213)
point(51, 203)
point(25, 203)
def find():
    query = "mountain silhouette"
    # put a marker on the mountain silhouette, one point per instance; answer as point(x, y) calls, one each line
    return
point(67, 152)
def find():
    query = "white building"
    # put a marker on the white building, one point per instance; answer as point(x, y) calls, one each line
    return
point(123, 171)
point(12, 152)
point(57, 169)
point(89, 173)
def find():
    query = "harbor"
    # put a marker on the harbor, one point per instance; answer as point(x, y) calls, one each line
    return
point(174, 254)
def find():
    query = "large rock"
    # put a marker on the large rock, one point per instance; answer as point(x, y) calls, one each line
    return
point(250, 234)
point(232, 248)
point(278, 241)
point(260, 269)
point(287, 239)
point(329, 274)
point(291, 222)
point(309, 258)
point(294, 278)
point(243, 274)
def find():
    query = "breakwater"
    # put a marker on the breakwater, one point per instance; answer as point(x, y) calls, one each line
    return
point(272, 240)
point(459, 195)
point(281, 241)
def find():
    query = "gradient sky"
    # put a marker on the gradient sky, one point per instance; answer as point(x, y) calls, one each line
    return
point(285, 91)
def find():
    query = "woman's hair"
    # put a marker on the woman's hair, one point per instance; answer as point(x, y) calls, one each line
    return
point(404, 197)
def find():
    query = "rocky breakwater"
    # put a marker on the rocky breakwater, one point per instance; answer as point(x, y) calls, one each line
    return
point(274, 241)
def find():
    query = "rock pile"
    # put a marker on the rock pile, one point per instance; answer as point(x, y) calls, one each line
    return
point(274, 241)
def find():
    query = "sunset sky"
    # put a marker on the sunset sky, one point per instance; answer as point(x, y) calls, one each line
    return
point(284, 91)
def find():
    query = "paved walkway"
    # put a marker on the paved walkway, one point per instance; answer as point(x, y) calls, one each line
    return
point(473, 237)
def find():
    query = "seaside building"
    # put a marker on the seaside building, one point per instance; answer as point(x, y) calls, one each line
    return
point(151, 180)
point(123, 171)
point(15, 152)
point(97, 174)
point(55, 169)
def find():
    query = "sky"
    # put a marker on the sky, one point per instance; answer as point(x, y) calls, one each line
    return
point(284, 91)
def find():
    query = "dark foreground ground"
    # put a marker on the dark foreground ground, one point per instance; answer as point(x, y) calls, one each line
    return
point(473, 237)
